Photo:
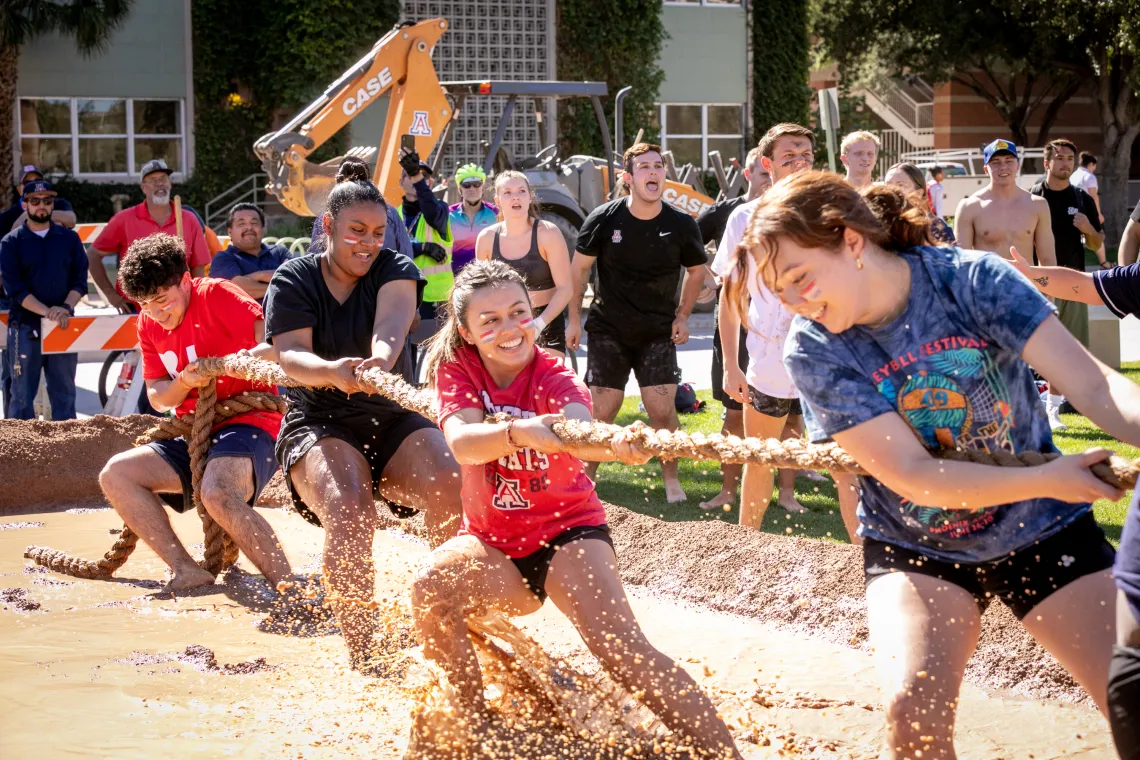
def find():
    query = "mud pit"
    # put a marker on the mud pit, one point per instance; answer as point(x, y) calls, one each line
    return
point(772, 627)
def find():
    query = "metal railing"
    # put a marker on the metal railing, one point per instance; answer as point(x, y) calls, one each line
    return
point(971, 158)
point(918, 116)
point(893, 146)
point(249, 190)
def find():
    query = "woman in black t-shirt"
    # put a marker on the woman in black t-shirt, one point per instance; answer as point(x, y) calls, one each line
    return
point(329, 316)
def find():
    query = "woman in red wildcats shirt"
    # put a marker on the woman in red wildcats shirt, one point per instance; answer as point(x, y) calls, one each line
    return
point(182, 320)
point(524, 498)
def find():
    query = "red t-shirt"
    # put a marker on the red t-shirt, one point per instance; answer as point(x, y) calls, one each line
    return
point(219, 321)
point(135, 222)
point(519, 501)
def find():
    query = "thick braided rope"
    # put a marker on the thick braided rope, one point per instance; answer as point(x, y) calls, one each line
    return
point(665, 444)
point(166, 429)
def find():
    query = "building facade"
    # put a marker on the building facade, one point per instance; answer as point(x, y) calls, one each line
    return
point(101, 118)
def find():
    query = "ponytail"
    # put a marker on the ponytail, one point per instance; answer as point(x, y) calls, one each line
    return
point(442, 347)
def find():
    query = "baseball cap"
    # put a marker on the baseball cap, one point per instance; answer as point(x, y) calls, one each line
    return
point(998, 146)
point(29, 169)
point(155, 165)
point(38, 186)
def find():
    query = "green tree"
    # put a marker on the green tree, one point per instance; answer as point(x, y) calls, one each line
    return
point(613, 41)
point(1026, 58)
point(257, 62)
point(1015, 54)
point(1109, 42)
point(89, 22)
point(780, 64)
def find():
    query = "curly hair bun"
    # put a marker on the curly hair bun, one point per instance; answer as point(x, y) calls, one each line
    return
point(906, 222)
point(352, 170)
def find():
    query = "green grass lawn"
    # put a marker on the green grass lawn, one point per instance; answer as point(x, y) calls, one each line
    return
point(640, 488)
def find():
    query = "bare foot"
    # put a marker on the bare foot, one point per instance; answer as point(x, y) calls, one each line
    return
point(812, 475)
point(718, 501)
point(791, 505)
point(673, 493)
point(190, 578)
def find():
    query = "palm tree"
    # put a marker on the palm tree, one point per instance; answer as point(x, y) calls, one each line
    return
point(90, 22)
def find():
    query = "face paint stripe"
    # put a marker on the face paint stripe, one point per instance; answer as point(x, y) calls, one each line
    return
point(487, 337)
point(352, 240)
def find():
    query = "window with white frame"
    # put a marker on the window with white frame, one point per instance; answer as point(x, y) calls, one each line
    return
point(100, 136)
point(691, 130)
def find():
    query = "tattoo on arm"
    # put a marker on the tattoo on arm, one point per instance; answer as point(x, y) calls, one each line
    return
point(1043, 281)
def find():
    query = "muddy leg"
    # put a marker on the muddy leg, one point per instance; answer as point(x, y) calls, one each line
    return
point(130, 481)
point(463, 576)
point(424, 475)
point(583, 581)
point(1077, 624)
point(923, 631)
point(227, 487)
point(335, 482)
point(607, 403)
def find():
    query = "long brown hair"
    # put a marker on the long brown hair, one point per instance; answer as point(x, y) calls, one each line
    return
point(813, 208)
point(535, 207)
point(479, 274)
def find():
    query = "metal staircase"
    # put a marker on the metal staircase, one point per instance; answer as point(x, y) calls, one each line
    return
point(249, 190)
point(907, 106)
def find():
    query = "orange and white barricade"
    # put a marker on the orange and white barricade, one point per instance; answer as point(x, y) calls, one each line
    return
point(103, 332)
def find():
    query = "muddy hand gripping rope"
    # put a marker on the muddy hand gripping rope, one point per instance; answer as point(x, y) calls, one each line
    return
point(664, 444)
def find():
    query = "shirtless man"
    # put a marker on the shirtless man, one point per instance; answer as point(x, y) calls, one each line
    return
point(1001, 215)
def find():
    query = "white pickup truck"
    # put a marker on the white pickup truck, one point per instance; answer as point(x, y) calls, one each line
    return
point(964, 173)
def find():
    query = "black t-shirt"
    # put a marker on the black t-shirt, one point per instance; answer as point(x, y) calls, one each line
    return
point(297, 298)
point(714, 219)
point(1063, 205)
point(639, 267)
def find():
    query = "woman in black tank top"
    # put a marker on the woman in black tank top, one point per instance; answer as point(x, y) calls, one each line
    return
point(537, 250)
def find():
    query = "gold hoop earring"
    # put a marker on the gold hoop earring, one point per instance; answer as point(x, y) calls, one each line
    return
point(859, 263)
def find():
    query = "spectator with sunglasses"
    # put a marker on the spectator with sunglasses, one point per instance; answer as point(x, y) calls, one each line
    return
point(470, 216)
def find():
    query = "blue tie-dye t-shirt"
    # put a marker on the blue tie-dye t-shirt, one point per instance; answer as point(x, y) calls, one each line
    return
point(951, 366)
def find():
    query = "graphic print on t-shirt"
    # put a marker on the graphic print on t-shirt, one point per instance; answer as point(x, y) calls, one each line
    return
point(521, 473)
point(953, 396)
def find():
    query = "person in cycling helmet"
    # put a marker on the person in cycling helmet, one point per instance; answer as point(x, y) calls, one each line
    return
point(470, 216)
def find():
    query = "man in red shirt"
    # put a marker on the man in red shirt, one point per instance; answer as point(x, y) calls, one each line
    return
point(155, 214)
point(182, 320)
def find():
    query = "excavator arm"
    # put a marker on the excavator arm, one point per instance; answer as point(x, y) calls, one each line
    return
point(400, 65)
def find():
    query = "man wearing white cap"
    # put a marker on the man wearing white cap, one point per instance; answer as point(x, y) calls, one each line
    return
point(154, 214)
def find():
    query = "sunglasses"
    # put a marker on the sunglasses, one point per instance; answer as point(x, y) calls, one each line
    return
point(471, 183)
point(40, 201)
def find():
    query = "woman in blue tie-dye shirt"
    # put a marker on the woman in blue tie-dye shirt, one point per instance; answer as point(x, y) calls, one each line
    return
point(899, 349)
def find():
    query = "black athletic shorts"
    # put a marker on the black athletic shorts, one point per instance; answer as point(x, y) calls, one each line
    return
point(1022, 580)
point(610, 359)
point(553, 336)
point(718, 365)
point(771, 406)
point(534, 566)
point(377, 443)
point(1124, 701)
point(236, 440)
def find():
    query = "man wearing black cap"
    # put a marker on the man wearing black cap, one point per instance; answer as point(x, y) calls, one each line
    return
point(44, 269)
point(155, 214)
point(14, 216)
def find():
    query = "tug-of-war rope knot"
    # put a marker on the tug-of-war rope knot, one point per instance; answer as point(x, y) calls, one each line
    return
point(220, 551)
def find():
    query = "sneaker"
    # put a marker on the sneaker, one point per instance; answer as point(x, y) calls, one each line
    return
point(1054, 415)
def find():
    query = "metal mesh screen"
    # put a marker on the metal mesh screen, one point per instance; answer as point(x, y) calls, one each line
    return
point(490, 39)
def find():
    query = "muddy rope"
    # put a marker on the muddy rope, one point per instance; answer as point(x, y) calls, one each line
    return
point(220, 550)
point(676, 444)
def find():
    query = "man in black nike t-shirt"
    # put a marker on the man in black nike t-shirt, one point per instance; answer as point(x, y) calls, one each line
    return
point(640, 245)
